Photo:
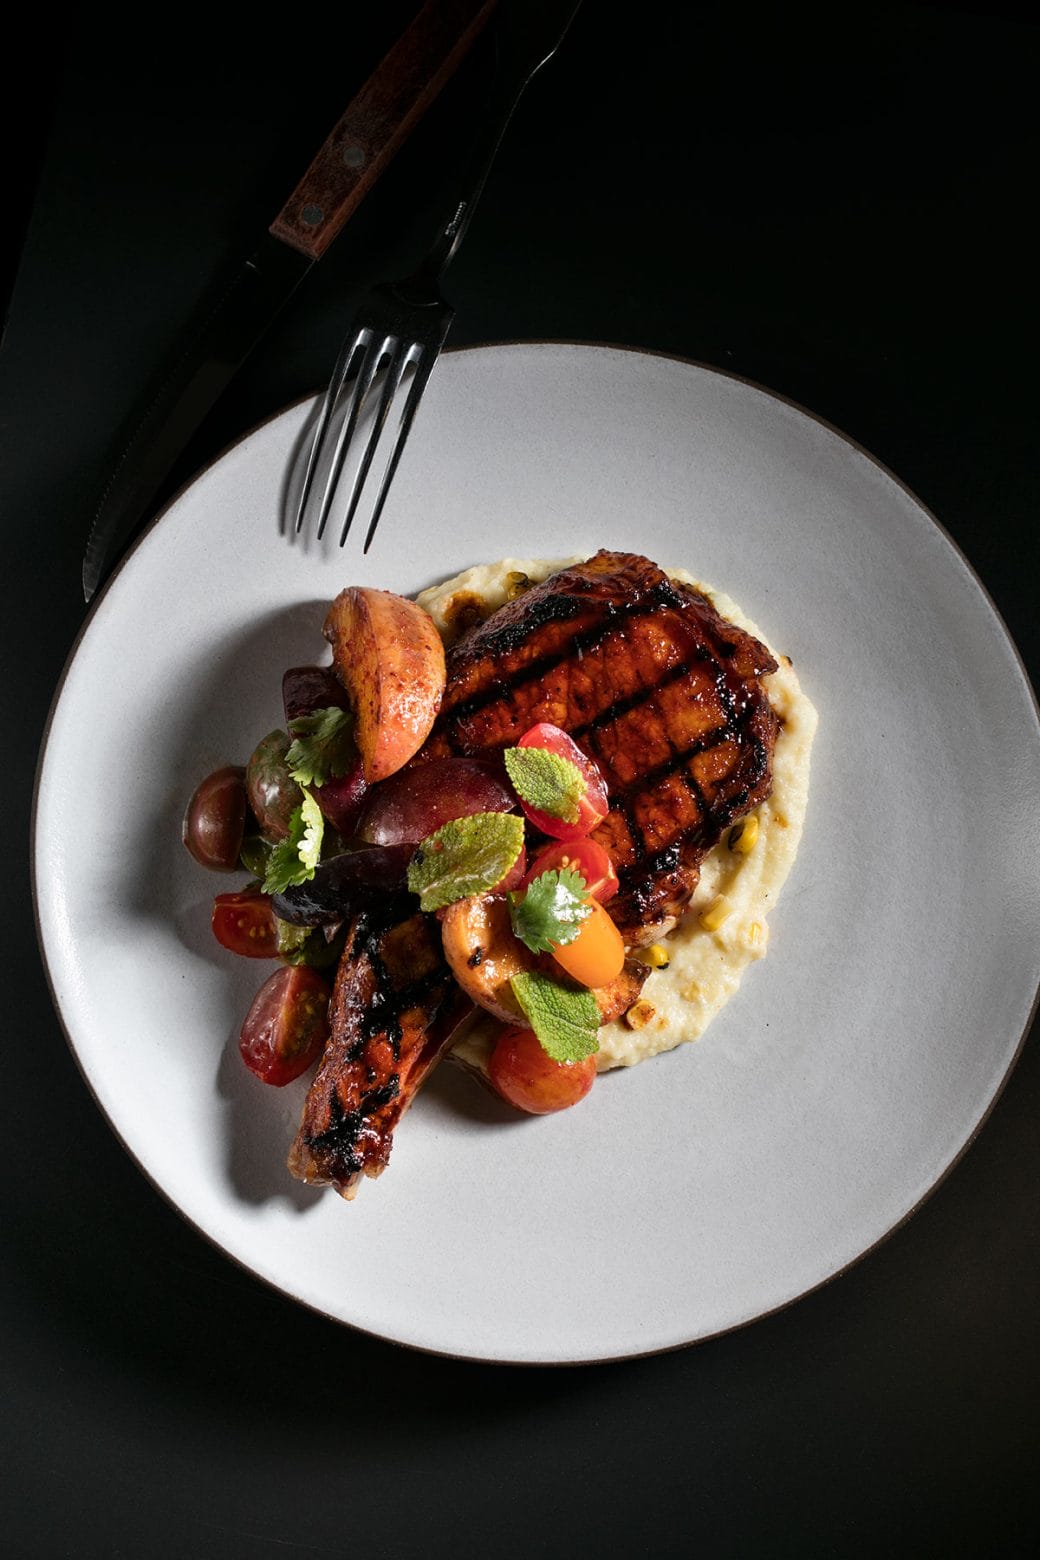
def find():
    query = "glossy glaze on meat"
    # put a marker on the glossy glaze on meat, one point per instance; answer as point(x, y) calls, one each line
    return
point(395, 1009)
point(653, 684)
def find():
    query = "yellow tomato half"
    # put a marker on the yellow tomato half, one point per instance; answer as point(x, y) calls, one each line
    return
point(597, 954)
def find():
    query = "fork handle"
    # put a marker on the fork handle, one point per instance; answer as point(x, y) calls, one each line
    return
point(528, 34)
point(377, 121)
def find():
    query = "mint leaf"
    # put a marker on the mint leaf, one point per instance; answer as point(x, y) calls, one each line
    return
point(323, 746)
point(545, 781)
point(550, 913)
point(566, 1022)
point(466, 856)
point(294, 859)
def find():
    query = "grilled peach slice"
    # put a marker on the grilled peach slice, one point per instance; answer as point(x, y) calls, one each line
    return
point(484, 955)
point(389, 656)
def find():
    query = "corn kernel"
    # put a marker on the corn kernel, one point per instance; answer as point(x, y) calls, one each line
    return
point(718, 912)
point(639, 1015)
point(656, 956)
point(743, 836)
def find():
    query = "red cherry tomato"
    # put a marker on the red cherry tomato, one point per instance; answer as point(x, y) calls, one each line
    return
point(287, 1026)
point(583, 856)
point(245, 923)
point(522, 1073)
point(592, 805)
point(514, 878)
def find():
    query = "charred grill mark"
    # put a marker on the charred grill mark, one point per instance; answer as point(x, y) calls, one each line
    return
point(340, 1137)
point(613, 617)
point(391, 988)
point(633, 701)
point(692, 785)
point(660, 691)
point(622, 805)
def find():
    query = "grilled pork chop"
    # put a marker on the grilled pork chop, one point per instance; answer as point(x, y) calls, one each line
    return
point(653, 684)
point(665, 695)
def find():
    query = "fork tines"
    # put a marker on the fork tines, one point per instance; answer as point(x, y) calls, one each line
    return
point(373, 363)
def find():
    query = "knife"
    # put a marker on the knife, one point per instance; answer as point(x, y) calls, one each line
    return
point(228, 326)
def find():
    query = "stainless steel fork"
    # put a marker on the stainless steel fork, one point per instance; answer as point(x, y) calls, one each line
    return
point(402, 325)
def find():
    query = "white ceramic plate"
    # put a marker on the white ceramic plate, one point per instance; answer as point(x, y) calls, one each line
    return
point(706, 1187)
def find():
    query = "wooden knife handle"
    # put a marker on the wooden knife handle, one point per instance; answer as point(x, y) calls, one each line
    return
point(378, 121)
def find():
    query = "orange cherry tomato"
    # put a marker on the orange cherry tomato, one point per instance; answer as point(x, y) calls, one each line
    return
point(582, 856)
point(597, 954)
point(522, 1073)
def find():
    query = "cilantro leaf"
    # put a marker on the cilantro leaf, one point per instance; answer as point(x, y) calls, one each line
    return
point(550, 913)
point(323, 746)
point(466, 856)
point(566, 1022)
point(294, 859)
point(546, 781)
point(313, 829)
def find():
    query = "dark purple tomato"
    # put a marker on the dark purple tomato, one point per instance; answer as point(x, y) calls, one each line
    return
point(245, 923)
point(287, 1026)
point(306, 689)
point(273, 793)
point(215, 820)
point(411, 804)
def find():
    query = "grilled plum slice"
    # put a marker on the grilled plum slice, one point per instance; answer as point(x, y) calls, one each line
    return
point(306, 689)
point(415, 802)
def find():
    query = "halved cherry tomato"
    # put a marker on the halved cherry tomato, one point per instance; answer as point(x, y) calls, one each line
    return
point(592, 805)
point(215, 820)
point(522, 1073)
point(245, 923)
point(287, 1026)
point(597, 954)
point(582, 856)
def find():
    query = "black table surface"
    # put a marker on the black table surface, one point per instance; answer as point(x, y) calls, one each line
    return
point(834, 203)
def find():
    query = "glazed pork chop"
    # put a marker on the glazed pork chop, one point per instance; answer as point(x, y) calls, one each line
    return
point(659, 689)
point(664, 694)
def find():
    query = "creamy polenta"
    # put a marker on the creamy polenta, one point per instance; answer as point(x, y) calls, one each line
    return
point(736, 892)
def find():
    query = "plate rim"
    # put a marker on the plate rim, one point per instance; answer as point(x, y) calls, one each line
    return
point(97, 604)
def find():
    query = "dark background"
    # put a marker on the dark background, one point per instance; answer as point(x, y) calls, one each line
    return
point(832, 202)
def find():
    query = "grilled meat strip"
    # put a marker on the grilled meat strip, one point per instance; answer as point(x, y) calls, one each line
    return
point(653, 684)
point(395, 1009)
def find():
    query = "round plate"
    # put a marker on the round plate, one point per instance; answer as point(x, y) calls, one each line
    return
point(710, 1185)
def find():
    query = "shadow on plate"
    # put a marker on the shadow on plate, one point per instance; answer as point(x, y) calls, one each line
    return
point(261, 1122)
point(295, 475)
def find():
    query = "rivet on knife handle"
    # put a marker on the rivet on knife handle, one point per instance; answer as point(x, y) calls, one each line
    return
point(377, 122)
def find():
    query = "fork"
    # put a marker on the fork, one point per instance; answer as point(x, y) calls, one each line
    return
point(403, 324)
